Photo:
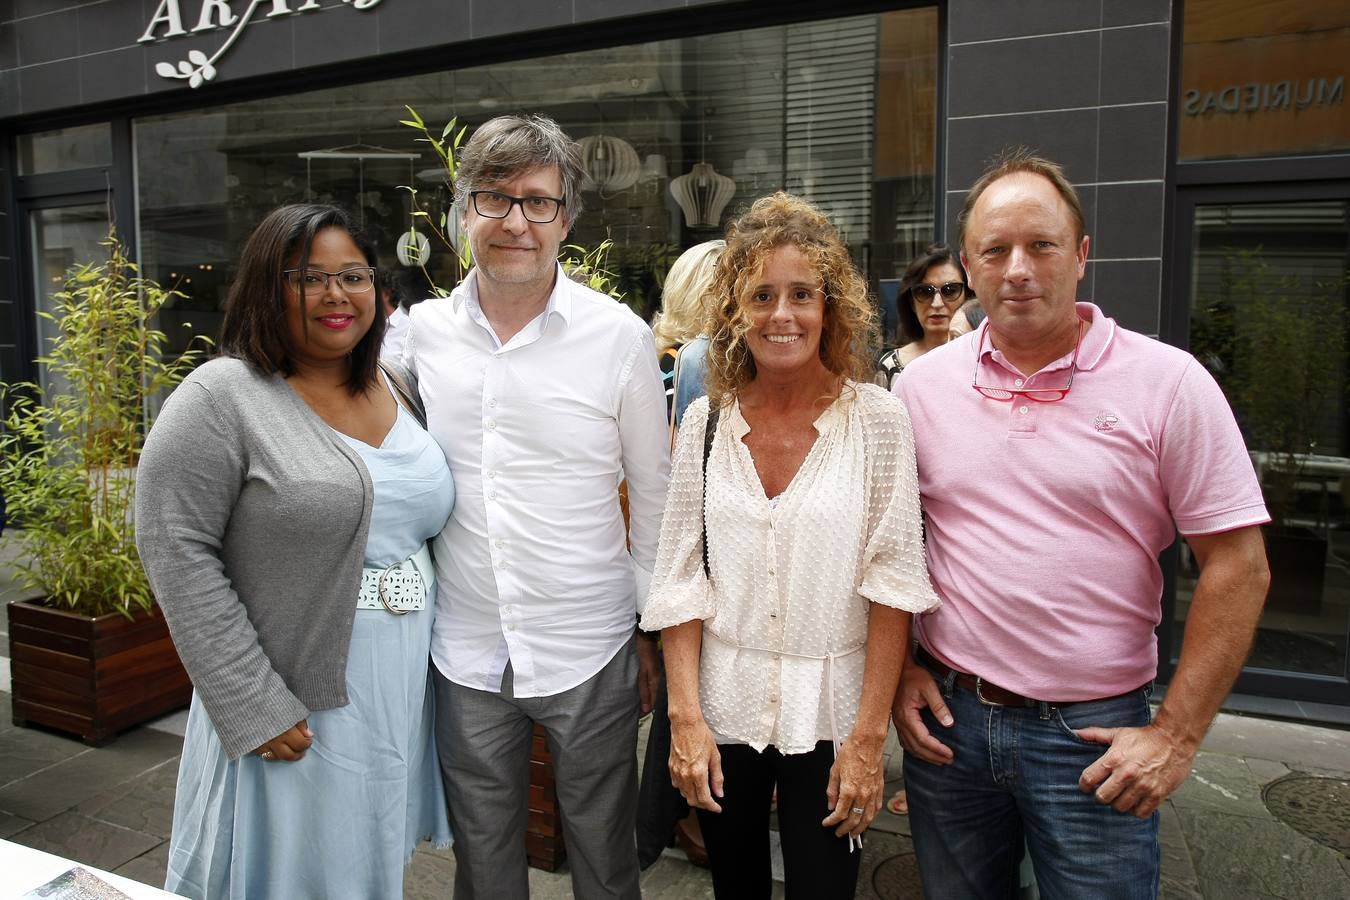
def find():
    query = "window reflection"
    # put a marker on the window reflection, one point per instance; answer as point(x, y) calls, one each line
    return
point(839, 110)
point(1269, 320)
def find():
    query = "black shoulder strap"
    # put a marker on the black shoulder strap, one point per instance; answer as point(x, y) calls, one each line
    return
point(708, 431)
point(406, 393)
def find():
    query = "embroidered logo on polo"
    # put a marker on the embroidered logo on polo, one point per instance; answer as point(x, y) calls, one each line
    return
point(1105, 422)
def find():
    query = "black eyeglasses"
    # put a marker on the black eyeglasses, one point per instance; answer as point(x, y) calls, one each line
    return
point(496, 205)
point(1040, 396)
point(952, 290)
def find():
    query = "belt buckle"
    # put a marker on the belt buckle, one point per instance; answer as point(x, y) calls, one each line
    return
point(979, 693)
point(412, 576)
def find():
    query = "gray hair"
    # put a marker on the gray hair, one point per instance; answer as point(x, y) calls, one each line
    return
point(508, 146)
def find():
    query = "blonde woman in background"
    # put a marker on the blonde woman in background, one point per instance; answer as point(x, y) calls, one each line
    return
point(682, 351)
point(678, 327)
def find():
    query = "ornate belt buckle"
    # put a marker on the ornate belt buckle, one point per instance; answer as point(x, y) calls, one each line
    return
point(400, 590)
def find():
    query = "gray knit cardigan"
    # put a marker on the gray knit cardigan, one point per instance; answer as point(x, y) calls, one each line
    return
point(251, 520)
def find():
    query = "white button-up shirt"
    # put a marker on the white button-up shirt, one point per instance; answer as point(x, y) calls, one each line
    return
point(785, 614)
point(532, 566)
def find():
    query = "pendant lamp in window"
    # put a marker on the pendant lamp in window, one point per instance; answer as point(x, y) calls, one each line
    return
point(702, 193)
point(610, 163)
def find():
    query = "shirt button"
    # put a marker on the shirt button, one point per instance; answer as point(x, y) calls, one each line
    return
point(510, 628)
point(492, 496)
point(1018, 382)
point(492, 473)
point(492, 401)
point(773, 698)
point(500, 543)
point(1023, 410)
point(492, 424)
point(501, 564)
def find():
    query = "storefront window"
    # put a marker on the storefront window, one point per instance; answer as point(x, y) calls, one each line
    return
point(841, 111)
point(65, 149)
point(1263, 79)
point(1270, 311)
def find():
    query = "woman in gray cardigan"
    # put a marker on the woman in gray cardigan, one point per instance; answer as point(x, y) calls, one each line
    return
point(284, 501)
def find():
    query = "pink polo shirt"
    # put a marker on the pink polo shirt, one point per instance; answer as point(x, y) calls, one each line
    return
point(1045, 520)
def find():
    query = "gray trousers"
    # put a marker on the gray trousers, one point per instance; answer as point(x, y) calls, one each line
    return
point(483, 739)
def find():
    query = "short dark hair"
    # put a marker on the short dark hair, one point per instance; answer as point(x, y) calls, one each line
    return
point(255, 310)
point(507, 146)
point(1020, 161)
point(910, 328)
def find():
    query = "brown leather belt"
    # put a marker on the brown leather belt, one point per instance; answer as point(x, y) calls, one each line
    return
point(986, 692)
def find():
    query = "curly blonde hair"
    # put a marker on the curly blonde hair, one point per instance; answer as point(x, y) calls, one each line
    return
point(682, 309)
point(779, 220)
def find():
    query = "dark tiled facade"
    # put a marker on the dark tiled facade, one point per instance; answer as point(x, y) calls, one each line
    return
point(1085, 84)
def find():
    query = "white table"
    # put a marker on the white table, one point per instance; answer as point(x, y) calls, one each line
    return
point(23, 868)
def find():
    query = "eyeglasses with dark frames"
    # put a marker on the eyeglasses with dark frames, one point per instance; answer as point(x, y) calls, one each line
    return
point(1039, 395)
point(356, 280)
point(496, 205)
point(952, 290)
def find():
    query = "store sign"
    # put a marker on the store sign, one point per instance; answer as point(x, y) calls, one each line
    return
point(1269, 96)
point(215, 15)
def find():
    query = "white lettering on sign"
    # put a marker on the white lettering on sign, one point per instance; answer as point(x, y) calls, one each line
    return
point(213, 15)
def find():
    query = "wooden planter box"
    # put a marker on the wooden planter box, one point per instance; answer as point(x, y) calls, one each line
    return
point(543, 832)
point(92, 676)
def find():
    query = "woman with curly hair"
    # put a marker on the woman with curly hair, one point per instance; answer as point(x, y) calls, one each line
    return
point(784, 617)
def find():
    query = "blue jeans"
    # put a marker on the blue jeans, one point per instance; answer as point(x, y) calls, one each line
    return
point(1015, 777)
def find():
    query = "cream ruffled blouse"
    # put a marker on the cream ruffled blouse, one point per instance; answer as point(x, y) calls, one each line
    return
point(785, 614)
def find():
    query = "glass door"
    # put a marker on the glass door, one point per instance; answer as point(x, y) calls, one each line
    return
point(61, 236)
point(1268, 274)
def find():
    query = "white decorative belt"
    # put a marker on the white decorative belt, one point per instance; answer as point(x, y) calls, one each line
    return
point(829, 658)
point(400, 588)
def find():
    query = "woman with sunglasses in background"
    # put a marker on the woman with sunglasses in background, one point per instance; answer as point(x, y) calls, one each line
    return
point(283, 505)
point(932, 291)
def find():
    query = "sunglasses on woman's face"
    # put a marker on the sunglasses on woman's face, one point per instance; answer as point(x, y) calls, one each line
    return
point(952, 290)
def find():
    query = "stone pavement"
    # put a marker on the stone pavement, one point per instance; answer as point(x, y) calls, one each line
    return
point(1265, 813)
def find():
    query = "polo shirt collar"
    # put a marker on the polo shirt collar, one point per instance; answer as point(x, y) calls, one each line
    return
point(1093, 347)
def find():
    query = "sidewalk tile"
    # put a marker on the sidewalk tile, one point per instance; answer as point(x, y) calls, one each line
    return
point(1178, 873)
point(1265, 770)
point(678, 879)
point(1223, 784)
point(93, 843)
point(1239, 856)
point(148, 868)
point(430, 877)
point(27, 750)
point(11, 824)
point(1298, 746)
point(144, 802)
point(65, 784)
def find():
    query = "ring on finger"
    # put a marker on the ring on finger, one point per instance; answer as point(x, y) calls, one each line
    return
point(857, 810)
point(267, 755)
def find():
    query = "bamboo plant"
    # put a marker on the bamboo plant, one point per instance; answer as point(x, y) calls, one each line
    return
point(69, 450)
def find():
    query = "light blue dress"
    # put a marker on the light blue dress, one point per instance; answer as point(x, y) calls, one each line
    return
point(344, 820)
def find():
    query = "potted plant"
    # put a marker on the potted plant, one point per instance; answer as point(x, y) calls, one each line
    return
point(92, 656)
point(1277, 345)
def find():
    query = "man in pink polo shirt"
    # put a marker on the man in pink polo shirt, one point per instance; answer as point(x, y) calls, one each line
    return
point(1024, 709)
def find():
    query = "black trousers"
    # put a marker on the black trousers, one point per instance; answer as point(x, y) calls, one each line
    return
point(817, 865)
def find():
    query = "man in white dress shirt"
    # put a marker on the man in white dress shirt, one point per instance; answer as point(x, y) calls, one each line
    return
point(543, 394)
